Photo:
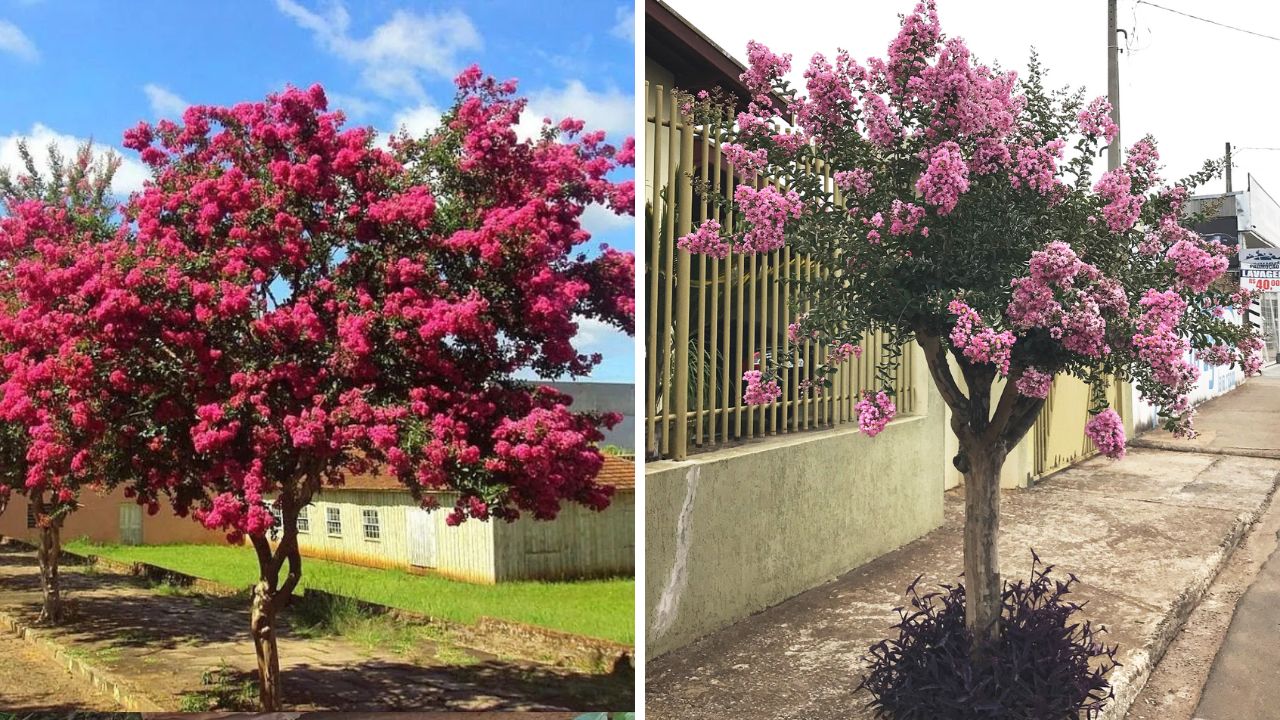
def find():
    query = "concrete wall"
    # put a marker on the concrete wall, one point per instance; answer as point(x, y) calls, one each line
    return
point(580, 542)
point(731, 532)
point(98, 520)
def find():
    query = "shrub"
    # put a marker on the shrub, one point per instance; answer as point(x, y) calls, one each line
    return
point(1043, 666)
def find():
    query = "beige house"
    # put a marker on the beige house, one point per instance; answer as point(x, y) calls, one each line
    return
point(374, 521)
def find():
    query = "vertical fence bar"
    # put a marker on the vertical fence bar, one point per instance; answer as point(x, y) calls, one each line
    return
point(668, 242)
point(712, 324)
point(651, 321)
point(701, 379)
point(684, 272)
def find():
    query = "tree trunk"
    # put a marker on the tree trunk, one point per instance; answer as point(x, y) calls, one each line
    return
point(48, 555)
point(269, 597)
point(981, 551)
point(262, 623)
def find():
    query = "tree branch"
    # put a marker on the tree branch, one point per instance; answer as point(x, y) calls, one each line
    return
point(936, 358)
point(1024, 415)
point(1005, 407)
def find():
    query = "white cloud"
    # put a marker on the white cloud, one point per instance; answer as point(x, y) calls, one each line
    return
point(165, 103)
point(625, 28)
point(15, 42)
point(417, 120)
point(611, 110)
point(396, 51)
point(354, 107)
point(128, 178)
point(599, 220)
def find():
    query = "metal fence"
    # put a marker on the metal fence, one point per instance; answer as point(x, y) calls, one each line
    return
point(709, 320)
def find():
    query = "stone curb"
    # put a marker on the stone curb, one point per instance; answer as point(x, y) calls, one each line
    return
point(1175, 446)
point(1128, 681)
point(99, 679)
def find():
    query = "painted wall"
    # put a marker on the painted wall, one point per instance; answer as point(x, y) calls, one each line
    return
point(580, 542)
point(464, 552)
point(733, 531)
point(99, 520)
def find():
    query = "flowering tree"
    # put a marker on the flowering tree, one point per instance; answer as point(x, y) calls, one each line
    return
point(963, 222)
point(295, 304)
point(51, 237)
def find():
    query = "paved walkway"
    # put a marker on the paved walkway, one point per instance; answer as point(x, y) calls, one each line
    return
point(1244, 680)
point(30, 682)
point(173, 648)
point(1145, 535)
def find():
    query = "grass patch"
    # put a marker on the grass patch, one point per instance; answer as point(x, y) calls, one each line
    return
point(595, 608)
point(225, 689)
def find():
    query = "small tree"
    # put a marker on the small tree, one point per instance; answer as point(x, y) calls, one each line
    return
point(51, 237)
point(962, 222)
point(297, 304)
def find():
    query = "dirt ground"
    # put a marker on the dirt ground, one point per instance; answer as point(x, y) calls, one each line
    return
point(30, 681)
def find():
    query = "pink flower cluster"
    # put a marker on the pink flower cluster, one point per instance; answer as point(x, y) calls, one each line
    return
point(906, 218)
point(1106, 430)
point(767, 211)
point(945, 179)
point(1034, 383)
point(1096, 120)
point(705, 240)
point(1196, 266)
point(855, 183)
point(979, 343)
point(758, 391)
point(1037, 166)
point(1068, 297)
point(747, 162)
point(875, 411)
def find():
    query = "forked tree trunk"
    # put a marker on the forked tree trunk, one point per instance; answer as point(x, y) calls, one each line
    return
point(270, 595)
point(48, 554)
point(986, 434)
point(981, 547)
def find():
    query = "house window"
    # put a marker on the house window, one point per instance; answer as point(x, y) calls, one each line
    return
point(372, 529)
point(31, 517)
point(304, 520)
point(279, 516)
point(333, 521)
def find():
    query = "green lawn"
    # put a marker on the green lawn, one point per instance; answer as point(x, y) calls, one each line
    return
point(596, 608)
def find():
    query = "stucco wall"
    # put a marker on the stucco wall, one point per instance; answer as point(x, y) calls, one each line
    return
point(580, 542)
point(731, 532)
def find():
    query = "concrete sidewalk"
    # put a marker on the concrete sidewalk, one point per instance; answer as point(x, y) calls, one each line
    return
point(1146, 535)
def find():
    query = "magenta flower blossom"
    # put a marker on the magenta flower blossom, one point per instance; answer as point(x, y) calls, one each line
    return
point(945, 179)
point(1034, 383)
point(875, 411)
point(767, 212)
point(1096, 120)
point(759, 392)
point(1106, 430)
point(706, 240)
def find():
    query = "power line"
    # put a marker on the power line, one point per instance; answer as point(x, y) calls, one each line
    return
point(1207, 20)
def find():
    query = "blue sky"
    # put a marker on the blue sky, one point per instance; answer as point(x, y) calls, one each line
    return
point(77, 69)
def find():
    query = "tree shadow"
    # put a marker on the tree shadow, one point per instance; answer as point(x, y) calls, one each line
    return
point(493, 685)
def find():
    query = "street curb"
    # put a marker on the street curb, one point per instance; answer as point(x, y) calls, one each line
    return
point(101, 680)
point(1128, 681)
point(1175, 446)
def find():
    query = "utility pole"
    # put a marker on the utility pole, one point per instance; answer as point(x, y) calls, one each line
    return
point(1113, 83)
point(1228, 169)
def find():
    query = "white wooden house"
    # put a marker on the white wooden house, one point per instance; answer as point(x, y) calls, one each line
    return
point(374, 521)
